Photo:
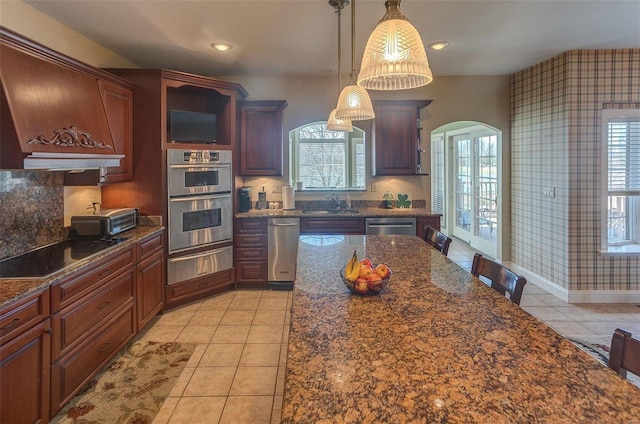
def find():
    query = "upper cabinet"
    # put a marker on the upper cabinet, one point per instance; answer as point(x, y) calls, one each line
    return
point(396, 137)
point(56, 105)
point(261, 137)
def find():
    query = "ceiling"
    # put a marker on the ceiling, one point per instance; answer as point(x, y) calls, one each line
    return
point(299, 37)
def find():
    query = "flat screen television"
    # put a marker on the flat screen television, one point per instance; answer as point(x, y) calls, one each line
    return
point(193, 127)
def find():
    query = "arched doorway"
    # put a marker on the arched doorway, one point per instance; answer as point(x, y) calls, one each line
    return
point(466, 183)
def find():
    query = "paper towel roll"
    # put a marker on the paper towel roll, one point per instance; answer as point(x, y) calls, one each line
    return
point(288, 198)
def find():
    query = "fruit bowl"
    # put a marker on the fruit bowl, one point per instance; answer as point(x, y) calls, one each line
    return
point(372, 287)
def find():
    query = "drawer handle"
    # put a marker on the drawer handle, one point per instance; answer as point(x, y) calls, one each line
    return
point(203, 284)
point(104, 347)
point(11, 324)
point(104, 305)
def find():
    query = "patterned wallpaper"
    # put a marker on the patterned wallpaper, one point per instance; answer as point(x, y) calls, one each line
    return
point(556, 142)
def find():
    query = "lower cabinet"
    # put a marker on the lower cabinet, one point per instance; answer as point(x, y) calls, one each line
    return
point(24, 376)
point(210, 284)
point(150, 279)
point(423, 221)
point(251, 251)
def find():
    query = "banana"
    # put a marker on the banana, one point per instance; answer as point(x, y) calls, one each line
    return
point(353, 267)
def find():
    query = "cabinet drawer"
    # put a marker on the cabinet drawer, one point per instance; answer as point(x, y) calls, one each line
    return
point(88, 278)
point(182, 291)
point(73, 323)
point(148, 245)
point(251, 240)
point(79, 366)
point(251, 225)
point(332, 226)
point(251, 271)
point(251, 254)
point(17, 317)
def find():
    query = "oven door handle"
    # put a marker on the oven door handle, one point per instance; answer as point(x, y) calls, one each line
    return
point(201, 197)
point(201, 166)
point(200, 255)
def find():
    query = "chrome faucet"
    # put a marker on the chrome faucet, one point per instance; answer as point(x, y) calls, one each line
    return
point(335, 200)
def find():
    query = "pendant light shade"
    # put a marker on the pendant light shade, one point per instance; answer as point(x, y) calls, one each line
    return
point(335, 124)
point(354, 104)
point(394, 58)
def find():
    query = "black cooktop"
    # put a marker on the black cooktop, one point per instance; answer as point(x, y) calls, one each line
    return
point(49, 259)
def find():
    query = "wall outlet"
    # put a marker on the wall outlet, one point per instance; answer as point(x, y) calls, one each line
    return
point(276, 188)
point(374, 187)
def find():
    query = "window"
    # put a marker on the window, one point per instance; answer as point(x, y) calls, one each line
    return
point(328, 160)
point(621, 177)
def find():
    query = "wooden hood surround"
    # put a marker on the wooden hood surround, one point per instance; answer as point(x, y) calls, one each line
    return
point(53, 104)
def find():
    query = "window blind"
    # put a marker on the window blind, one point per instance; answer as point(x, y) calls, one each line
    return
point(623, 142)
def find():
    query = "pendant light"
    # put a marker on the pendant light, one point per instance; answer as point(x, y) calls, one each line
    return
point(395, 58)
point(334, 124)
point(354, 102)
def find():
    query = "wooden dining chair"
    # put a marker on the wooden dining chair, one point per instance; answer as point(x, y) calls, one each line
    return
point(624, 354)
point(502, 278)
point(437, 240)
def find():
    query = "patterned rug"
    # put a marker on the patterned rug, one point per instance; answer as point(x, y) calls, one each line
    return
point(131, 388)
point(598, 347)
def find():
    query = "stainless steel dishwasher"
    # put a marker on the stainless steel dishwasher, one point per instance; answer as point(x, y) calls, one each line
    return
point(283, 236)
point(399, 225)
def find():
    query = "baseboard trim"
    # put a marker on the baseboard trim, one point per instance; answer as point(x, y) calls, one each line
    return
point(577, 296)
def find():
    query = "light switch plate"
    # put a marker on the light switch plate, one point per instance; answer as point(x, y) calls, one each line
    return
point(549, 192)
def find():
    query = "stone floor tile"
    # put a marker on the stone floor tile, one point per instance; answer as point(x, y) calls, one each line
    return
point(231, 334)
point(210, 381)
point(163, 415)
point(207, 317)
point(261, 355)
point(265, 334)
point(222, 355)
point(247, 410)
point(254, 381)
point(269, 317)
point(196, 334)
point(191, 410)
point(241, 317)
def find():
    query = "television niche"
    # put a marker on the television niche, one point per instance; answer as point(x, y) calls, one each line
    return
point(193, 127)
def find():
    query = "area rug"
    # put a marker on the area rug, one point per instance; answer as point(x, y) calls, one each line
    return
point(598, 347)
point(131, 388)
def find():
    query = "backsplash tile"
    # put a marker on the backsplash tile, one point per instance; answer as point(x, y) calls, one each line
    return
point(31, 210)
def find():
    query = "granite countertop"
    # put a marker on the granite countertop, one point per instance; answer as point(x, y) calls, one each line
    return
point(15, 289)
point(354, 213)
point(437, 346)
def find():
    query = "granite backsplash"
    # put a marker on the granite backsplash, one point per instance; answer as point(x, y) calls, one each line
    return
point(31, 210)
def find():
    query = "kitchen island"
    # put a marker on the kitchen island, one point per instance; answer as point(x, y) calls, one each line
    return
point(436, 346)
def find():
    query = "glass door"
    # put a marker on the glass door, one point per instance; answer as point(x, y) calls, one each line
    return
point(476, 190)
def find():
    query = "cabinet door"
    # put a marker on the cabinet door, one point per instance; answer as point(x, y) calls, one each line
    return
point(433, 221)
point(396, 137)
point(261, 138)
point(150, 288)
point(118, 106)
point(25, 376)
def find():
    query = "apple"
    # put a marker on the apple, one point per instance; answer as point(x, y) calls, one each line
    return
point(383, 270)
point(367, 262)
point(365, 271)
point(360, 286)
point(374, 282)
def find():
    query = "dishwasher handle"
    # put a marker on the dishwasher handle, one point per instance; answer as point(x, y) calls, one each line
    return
point(292, 224)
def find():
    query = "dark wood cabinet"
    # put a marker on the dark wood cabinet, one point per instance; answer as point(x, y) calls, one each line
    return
point(261, 137)
point(396, 137)
point(25, 336)
point(251, 252)
point(94, 316)
point(332, 225)
point(423, 221)
point(118, 106)
point(150, 279)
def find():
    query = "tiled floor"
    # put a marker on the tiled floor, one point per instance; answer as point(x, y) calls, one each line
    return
point(236, 374)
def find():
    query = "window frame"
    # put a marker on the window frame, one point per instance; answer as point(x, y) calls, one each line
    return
point(630, 246)
point(351, 141)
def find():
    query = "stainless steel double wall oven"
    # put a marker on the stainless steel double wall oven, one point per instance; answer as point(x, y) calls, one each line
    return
point(200, 213)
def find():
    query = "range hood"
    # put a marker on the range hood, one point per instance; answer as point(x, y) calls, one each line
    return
point(53, 110)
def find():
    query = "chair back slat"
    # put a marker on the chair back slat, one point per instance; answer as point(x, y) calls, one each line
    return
point(502, 279)
point(437, 240)
point(624, 354)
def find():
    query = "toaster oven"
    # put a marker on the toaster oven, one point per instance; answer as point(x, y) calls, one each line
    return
point(107, 222)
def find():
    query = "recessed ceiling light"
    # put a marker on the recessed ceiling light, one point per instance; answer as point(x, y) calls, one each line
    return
point(223, 47)
point(439, 45)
